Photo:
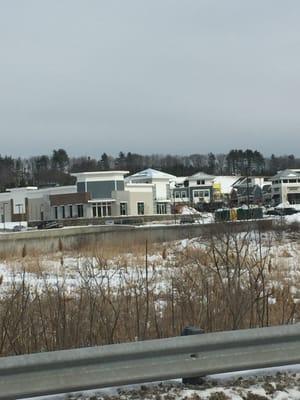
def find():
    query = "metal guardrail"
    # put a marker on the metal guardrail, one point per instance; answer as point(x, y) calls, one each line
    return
point(121, 364)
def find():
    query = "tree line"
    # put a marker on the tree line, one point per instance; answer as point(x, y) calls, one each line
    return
point(56, 168)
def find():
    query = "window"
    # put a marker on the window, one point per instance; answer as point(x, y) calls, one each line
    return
point(293, 181)
point(161, 208)
point(123, 208)
point(80, 210)
point(177, 195)
point(183, 195)
point(140, 208)
point(55, 213)
point(201, 193)
point(109, 209)
point(200, 182)
point(71, 211)
point(101, 209)
point(63, 212)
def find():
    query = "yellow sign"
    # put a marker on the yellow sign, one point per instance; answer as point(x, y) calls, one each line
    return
point(233, 214)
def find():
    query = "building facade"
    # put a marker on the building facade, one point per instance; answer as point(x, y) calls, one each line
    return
point(250, 190)
point(161, 182)
point(95, 195)
point(193, 190)
point(29, 203)
point(286, 187)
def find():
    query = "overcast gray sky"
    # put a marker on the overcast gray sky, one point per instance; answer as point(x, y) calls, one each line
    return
point(156, 76)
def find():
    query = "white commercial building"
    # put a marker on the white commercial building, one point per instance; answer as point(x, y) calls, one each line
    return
point(161, 183)
point(286, 187)
point(29, 203)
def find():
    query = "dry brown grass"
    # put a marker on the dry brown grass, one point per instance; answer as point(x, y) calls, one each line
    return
point(113, 250)
point(228, 285)
point(285, 253)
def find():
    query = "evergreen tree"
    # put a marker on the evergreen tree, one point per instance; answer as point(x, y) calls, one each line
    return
point(211, 163)
point(104, 162)
point(60, 160)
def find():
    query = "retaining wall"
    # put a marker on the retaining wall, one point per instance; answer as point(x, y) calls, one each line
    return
point(73, 238)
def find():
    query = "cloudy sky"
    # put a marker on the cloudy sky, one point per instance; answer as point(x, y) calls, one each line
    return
point(156, 76)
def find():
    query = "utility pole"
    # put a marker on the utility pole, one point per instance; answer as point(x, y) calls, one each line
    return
point(248, 197)
point(174, 207)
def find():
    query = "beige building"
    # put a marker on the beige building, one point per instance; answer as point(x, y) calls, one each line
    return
point(104, 194)
point(29, 203)
point(136, 199)
point(96, 195)
point(161, 182)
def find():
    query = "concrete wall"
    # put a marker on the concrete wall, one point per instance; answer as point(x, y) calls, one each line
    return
point(132, 195)
point(48, 241)
point(119, 220)
point(5, 209)
point(38, 206)
point(146, 198)
point(120, 197)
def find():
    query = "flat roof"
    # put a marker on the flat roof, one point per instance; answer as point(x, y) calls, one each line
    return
point(20, 189)
point(101, 201)
point(99, 173)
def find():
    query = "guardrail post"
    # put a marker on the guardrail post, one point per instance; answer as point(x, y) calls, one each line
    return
point(192, 330)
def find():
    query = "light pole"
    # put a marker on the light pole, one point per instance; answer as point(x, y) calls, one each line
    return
point(20, 206)
point(3, 210)
point(174, 208)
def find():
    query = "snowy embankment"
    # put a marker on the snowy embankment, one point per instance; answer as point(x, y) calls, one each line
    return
point(9, 226)
point(292, 218)
point(70, 269)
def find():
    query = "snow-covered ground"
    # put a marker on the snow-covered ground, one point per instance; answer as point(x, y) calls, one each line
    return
point(9, 226)
point(186, 210)
point(292, 218)
point(71, 269)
